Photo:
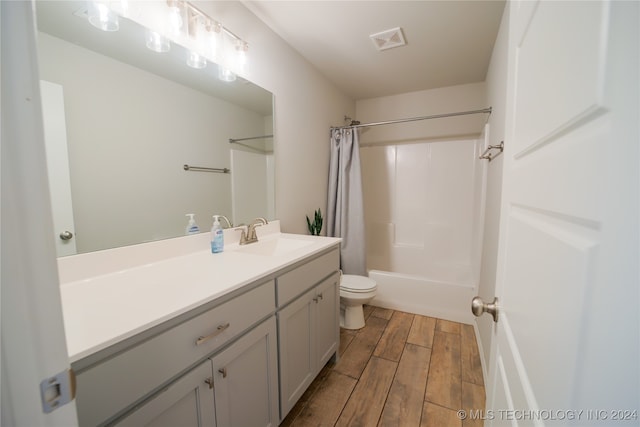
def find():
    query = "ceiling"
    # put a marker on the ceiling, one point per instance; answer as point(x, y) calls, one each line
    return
point(448, 42)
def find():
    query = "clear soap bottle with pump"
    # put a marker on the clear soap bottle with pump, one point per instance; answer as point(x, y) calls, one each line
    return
point(192, 227)
point(217, 236)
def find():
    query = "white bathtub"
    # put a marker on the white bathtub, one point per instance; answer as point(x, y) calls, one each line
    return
point(444, 299)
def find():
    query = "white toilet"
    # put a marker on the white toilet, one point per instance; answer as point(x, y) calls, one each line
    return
point(354, 292)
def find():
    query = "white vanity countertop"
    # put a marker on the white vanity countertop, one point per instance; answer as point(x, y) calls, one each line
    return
point(104, 309)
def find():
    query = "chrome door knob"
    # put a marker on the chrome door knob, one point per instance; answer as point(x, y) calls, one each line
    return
point(66, 235)
point(478, 307)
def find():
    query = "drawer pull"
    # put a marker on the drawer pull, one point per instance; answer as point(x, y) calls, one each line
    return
point(209, 381)
point(223, 371)
point(220, 329)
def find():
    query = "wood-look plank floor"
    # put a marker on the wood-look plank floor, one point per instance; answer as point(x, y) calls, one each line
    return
point(401, 369)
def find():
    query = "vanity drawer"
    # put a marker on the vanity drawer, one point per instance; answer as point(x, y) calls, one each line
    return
point(109, 387)
point(299, 280)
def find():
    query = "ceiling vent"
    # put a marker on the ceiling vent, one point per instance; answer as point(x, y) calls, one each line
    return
point(388, 39)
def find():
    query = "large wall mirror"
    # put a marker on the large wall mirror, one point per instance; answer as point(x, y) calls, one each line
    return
point(121, 122)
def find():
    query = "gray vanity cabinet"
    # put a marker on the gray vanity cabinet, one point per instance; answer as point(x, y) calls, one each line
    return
point(308, 326)
point(243, 360)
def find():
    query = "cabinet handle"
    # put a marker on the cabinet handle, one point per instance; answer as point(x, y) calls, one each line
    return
point(315, 299)
point(223, 371)
point(209, 381)
point(220, 329)
point(320, 295)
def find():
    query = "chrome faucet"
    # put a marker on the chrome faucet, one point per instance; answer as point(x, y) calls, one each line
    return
point(249, 233)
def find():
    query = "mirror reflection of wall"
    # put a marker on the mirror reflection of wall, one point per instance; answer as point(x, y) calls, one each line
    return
point(129, 133)
point(250, 196)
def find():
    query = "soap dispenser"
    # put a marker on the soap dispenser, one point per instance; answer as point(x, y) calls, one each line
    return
point(217, 236)
point(192, 227)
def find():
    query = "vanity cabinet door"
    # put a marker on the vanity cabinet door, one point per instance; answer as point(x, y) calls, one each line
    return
point(186, 402)
point(246, 379)
point(296, 323)
point(309, 331)
point(328, 319)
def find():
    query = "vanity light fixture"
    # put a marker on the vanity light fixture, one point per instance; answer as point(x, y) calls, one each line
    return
point(180, 22)
point(100, 16)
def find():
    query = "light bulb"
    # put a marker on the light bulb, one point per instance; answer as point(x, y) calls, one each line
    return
point(124, 5)
point(214, 31)
point(175, 20)
point(121, 7)
point(157, 42)
point(241, 55)
point(226, 75)
point(100, 16)
point(196, 60)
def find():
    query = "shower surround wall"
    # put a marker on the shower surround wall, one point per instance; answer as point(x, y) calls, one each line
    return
point(424, 200)
point(422, 219)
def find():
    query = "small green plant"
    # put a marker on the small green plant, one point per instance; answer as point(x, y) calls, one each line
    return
point(316, 226)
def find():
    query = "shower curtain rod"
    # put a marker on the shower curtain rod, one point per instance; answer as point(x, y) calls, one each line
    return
point(413, 119)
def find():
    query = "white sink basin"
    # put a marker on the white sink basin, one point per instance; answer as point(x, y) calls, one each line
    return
point(275, 247)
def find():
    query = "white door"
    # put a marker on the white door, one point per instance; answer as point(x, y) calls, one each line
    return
point(33, 346)
point(55, 139)
point(566, 344)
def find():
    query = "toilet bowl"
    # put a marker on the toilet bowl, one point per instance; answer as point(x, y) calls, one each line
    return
point(354, 292)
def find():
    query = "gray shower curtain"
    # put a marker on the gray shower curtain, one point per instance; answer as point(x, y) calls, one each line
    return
point(345, 211)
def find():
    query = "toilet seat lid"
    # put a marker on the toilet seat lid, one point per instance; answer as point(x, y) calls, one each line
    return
point(354, 283)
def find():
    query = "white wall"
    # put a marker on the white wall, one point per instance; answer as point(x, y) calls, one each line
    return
point(424, 103)
point(306, 105)
point(129, 133)
point(496, 88)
